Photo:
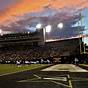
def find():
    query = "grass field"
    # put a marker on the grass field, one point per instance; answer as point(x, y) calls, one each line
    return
point(10, 68)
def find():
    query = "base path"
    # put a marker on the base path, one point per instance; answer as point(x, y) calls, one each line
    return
point(65, 67)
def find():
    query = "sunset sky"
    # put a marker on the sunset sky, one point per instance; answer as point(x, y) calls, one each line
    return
point(11, 8)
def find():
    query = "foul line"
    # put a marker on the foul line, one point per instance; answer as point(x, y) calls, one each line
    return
point(60, 83)
point(14, 72)
point(69, 81)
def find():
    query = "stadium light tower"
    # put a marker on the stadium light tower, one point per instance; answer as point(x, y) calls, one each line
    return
point(39, 26)
point(0, 31)
point(48, 28)
point(60, 25)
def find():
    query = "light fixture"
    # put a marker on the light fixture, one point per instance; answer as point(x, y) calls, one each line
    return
point(48, 28)
point(0, 31)
point(39, 26)
point(60, 25)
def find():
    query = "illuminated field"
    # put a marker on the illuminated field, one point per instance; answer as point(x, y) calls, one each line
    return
point(9, 68)
point(66, 67)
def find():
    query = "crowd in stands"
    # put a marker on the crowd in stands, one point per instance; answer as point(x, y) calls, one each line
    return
point(35, 54)
point(40, 54)
point(27, 55)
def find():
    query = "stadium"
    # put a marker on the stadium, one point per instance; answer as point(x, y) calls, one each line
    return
point(28, 60)
point(31, 47)
point(44, 48)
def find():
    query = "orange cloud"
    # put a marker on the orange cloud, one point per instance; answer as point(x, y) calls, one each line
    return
point(72, 3)
point(25, 6)
point(21, 8)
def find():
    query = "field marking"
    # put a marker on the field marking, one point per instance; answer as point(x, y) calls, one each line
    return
point(14, 72)
point(69, 81)
point(37, 76)
point(57, 78)
point(65, 67)
point(51, 78)
point(33, 81)
point(58, 83)
point(44, 78)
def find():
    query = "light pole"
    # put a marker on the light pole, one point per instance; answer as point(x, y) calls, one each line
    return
point(46, 29)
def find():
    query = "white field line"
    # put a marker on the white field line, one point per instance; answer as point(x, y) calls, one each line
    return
point(58, 78)
point(69, 81)
point(14, 72)
point(37, 76)
point(58, 83)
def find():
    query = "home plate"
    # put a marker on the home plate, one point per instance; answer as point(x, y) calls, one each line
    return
point(65, 67)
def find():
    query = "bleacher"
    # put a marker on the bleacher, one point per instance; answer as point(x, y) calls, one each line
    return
point(21, 38)
point(31, 47)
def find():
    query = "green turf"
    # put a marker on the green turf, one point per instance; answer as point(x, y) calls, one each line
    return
point(10, 68)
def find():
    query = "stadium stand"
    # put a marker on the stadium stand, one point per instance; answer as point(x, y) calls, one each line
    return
point(31, 48)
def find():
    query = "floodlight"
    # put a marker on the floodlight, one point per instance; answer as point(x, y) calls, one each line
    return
point(60, 25)
point(28, 32)
point(39, 26)
point(0, 31)
point(48, 28)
